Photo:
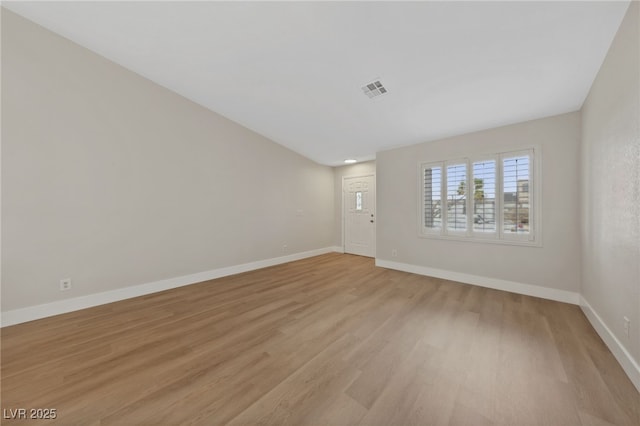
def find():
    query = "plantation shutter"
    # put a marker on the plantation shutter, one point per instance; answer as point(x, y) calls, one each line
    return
point(484, 196)
point(432, 187)
point(516, 194)
point(457, 197)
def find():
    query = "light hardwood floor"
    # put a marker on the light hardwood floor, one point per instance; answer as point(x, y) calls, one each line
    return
point(330, 340)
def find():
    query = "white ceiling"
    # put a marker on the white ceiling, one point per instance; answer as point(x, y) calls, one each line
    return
point(293, 71)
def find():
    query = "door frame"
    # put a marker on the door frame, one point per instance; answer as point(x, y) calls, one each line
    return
point(344, 214)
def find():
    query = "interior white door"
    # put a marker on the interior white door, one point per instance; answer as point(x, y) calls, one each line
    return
point(359, 208)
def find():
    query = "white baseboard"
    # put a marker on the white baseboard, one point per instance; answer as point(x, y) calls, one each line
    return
point(494, 283)
point(629, 365)
point(31, 313)
point(338, 249)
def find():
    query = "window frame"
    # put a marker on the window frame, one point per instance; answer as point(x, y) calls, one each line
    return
point(532, 238)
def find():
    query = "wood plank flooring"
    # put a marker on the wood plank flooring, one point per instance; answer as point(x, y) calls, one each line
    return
point(330, 340)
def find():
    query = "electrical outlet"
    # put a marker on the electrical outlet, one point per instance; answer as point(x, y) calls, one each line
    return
point(394, 252)
point(285, 248)
point(65, 284)
point(627, 325)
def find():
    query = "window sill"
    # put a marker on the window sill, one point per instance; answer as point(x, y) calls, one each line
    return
point(488, 240)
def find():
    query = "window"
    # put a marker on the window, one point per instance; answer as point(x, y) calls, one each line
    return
point(488, 198)
point(359, 201)
point(432, 207)
point(456, 197)
point(515, 192)
point(484, 196)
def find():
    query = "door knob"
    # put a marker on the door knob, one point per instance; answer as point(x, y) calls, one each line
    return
point(371, 221)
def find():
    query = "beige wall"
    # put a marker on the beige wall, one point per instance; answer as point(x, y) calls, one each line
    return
point(610, 182)
point(555, 265)
point(358, 169)
point(113, 181)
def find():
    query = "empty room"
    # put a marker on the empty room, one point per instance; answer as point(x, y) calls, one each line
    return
point(320, 213)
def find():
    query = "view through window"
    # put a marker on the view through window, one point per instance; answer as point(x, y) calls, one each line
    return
point(486, 198)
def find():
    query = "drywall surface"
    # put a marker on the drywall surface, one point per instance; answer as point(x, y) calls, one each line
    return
point(555, 265)
point(351, 170)
point(610, 183)
point(114, 181)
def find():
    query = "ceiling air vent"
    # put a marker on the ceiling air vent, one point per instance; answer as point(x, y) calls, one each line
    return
point(374, 89)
